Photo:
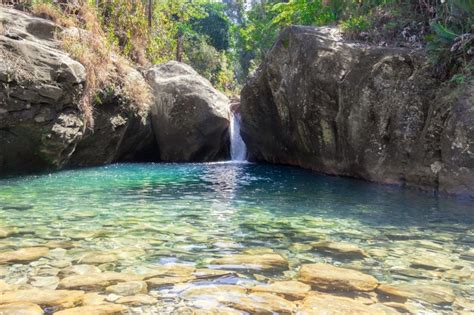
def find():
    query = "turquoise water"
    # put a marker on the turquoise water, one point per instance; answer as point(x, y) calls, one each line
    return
point(191, 213)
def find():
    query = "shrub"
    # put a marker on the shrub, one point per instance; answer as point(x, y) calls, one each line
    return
point(106, 69)
point(47, 10)
point(354, 25)
point(451, 45)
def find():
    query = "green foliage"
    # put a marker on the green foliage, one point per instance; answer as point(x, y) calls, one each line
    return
point(355, 24)
point(225, 40)
point(452, 41)
point(216, 25)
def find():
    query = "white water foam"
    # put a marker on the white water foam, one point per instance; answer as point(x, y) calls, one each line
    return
point(238, 150)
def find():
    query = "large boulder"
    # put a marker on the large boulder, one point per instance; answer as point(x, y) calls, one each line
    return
point(375, 113)
point(41, 124)
point(189, 117)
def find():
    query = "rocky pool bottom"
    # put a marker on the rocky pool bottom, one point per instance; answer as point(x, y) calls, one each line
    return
point(229, 239)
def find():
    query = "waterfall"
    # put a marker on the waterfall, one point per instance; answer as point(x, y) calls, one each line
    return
point(238, 150)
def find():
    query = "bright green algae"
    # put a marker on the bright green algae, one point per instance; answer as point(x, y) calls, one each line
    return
point(191, 213)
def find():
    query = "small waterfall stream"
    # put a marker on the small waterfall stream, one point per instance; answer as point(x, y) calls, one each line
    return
point(238, 150)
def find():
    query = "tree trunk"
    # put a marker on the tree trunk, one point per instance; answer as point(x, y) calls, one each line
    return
point(150, 14)
point(179, 45)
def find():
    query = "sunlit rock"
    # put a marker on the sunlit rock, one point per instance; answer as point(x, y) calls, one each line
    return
point(328, 277)
point(21, 308)
point(98, 258)
point(260, 303)
point(320, 304)
point(45, 282)
point(128, 288)
point(62, 298)
point(211, 273)
point(340, 248)
point(264, 261)
point(425, 291)
point(293, 290)
point(139, 299)
point(79, 270)
point(23, 255)
point(96, 280)
point(213, 291)
point(154, 283)
point(105, 309)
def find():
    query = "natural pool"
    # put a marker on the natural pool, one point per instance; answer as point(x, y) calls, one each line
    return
point(135, 218)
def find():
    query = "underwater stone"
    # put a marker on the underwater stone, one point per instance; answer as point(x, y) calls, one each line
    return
point(104, 309)
point(128, 288)
point(264, 261)
point(340, 248)
point(139, 299)
point(23, 255)
point(328, 277)
point(63, 298)
point(22, 308)
point(293, 290)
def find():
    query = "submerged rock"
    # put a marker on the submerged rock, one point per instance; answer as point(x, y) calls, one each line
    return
point(189, 117)
point(211, 273)
point(171, 270)
point(264, 261)
point(319, 304)
point(329, 278)
point(293, 290)
point(104, 309)
point(6, 232)
point(21, 308)
point(139, 299)
point(323, 103)
point(62, 298)
point(260, 303)
point(425, 291)
point(98, 258)
point(23, 255)
point(79, 270)
point(128, 288)
point(340, 248)
point(154, 283)
point(96, 280)
point(217, 311)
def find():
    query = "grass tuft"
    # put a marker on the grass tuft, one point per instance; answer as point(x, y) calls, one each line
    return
point(52, 12)
point(106, 68)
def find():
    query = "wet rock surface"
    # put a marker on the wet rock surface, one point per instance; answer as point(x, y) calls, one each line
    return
point(374, 113)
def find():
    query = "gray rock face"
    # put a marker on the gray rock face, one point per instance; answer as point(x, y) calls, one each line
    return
point(189, 117)
point(345, 109)
point(41, 125)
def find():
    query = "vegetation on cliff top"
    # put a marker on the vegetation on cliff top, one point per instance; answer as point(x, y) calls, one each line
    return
point(225, 40)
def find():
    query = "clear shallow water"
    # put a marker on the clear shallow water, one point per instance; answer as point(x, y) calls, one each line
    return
point(191, 213)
